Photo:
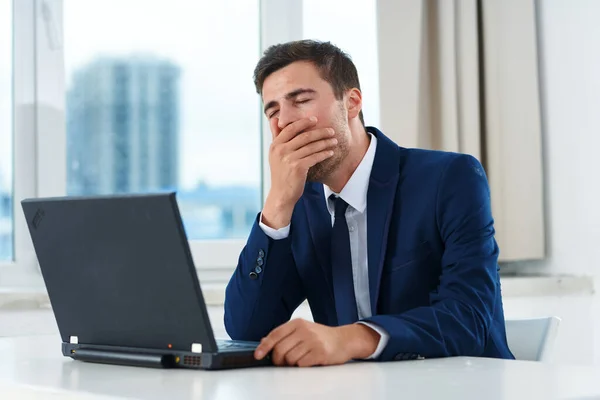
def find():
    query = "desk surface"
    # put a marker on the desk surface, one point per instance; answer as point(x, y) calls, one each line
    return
point(33, 367)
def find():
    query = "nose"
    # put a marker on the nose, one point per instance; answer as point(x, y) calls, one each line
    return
point(287, 115)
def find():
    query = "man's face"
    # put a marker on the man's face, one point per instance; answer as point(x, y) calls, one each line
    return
point(298, 91)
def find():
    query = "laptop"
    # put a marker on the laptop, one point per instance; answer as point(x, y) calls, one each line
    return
point(123, 285)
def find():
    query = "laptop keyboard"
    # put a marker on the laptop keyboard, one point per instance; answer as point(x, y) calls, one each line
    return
point(237, 345)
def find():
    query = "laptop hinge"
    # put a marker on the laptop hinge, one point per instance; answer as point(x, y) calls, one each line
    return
point(124, 358)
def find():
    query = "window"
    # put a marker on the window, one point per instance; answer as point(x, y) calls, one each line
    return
point(142, 96)
point(336, 21)
point(160, 97)
point(6, 133)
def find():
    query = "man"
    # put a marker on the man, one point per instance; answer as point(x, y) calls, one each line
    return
point(393, 248)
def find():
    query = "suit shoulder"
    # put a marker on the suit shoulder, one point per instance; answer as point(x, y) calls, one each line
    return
point(413, 158)
point(433, 166)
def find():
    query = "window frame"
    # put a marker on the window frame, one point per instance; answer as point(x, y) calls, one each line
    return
point(23, 271)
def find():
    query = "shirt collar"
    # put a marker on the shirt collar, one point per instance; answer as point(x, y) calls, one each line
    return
point(355, 191)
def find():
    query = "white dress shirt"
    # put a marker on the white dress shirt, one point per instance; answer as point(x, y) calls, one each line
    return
point(355, 194)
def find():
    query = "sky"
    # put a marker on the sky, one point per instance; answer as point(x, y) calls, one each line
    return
point(216, 43)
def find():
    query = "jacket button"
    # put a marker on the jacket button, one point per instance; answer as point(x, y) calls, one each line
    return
point(398, 356)
point(260, 261)
point(253, 275)
point(261, 253)
point(258, 269)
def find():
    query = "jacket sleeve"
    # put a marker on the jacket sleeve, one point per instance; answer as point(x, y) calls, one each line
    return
point(461, 308)
point(265, 288)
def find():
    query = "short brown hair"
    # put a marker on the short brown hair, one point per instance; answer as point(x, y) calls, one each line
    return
point(334, 66)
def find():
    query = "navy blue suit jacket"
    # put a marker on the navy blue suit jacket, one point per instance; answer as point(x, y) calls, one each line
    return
point(432, 260)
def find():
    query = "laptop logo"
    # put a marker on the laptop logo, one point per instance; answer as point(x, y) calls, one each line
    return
point(37, 218)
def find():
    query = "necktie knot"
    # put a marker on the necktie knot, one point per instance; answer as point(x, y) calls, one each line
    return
point(340, 206)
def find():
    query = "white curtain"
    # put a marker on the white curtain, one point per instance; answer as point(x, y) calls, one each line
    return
point(462, 75)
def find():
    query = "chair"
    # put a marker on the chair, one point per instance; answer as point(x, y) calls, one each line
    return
point(532, 339)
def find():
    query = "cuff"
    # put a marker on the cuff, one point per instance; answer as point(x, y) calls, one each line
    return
point(275, 234)
point(384, 337)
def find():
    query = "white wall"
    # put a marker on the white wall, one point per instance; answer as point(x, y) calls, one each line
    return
point(570, 83)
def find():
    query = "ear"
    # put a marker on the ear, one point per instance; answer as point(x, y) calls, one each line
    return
point(353, 102)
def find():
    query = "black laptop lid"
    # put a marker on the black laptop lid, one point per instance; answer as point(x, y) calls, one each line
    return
point(119, 272)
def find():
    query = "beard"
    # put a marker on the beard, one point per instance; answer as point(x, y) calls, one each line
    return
point(322, 170)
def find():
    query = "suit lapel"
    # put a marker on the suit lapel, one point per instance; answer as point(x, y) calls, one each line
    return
point(380, 202)
point(319, 221)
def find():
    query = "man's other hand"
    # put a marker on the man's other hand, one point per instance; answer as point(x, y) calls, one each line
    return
point(304, 344)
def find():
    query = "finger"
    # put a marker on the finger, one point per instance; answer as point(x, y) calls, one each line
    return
point(314, 147)
point(308, 137)
point(282, 348)
point(296, 127)
point(309, 359)
point(276, 335)
point(295, 354)
point(315, 158)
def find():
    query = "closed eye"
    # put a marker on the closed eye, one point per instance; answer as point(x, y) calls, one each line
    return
point(274, 113)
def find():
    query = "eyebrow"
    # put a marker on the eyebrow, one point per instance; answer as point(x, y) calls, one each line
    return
point(289, 96)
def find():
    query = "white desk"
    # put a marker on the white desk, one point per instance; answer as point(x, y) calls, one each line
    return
point(33, 367)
